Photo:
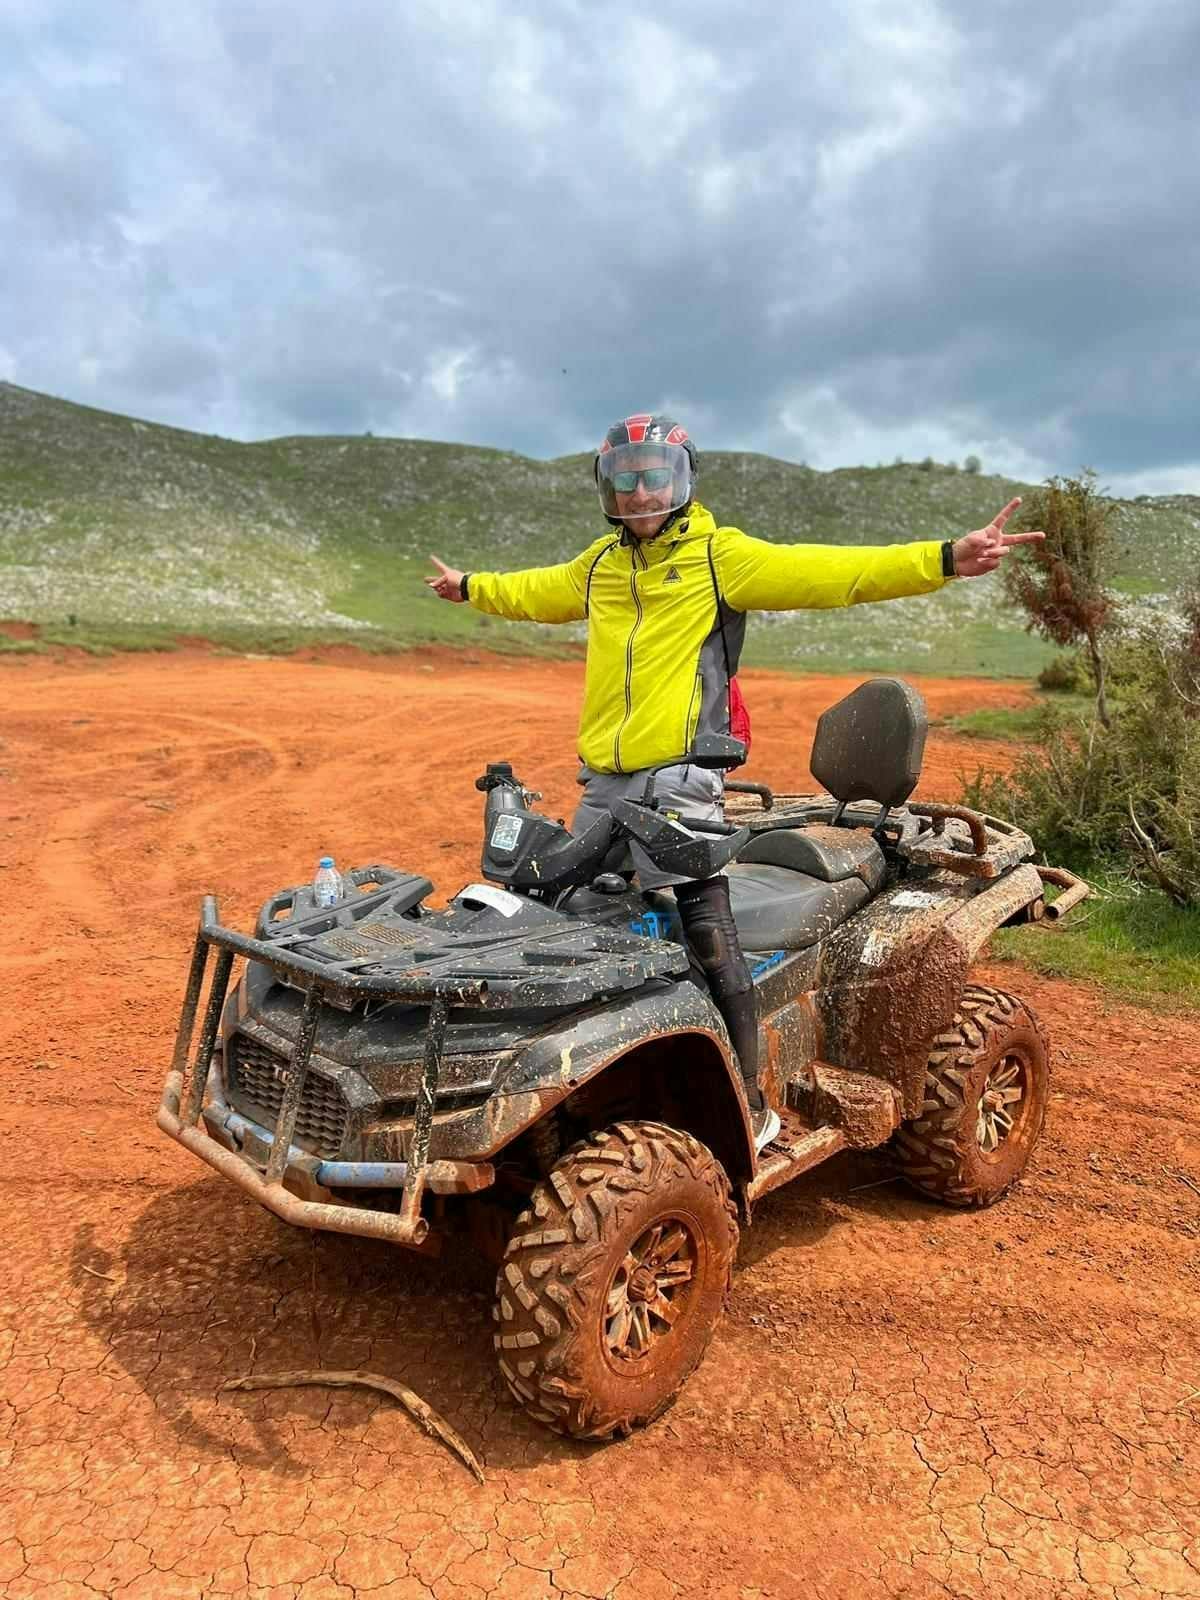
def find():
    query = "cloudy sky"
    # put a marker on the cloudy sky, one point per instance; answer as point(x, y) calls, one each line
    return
point(837, 235)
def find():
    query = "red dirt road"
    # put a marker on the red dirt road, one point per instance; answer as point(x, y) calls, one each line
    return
point(902, 1400)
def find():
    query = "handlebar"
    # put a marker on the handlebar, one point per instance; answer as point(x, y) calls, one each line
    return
point(530, 852)
point(705, 825)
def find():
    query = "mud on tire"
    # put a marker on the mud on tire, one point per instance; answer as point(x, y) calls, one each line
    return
point(614, 1279)
point(986, 1087)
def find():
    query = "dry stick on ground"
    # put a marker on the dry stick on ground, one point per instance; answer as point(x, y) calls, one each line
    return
point(107, 1276)
point(412, 1403)
point(1183, 1178)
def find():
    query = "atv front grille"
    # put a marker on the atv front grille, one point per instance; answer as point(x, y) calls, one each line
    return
point(257, 1080)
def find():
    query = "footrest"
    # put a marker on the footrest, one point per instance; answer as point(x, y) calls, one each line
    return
point(796, 1147)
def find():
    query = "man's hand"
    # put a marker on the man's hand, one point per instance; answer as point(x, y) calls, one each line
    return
point(982, 551)
point(447, 584)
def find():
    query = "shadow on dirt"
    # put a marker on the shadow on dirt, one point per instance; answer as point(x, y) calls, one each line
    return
point(803, 1212)
point(209, 1287)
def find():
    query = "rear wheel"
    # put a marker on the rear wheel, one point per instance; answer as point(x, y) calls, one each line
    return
point(986, 1088)
point(614, 1279)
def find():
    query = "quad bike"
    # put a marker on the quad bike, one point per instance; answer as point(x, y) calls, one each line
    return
point(537, 1064)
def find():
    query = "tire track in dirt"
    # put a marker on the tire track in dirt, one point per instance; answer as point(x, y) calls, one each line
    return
point(902, 1401)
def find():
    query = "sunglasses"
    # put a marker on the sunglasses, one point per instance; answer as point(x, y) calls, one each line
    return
point(652, 478)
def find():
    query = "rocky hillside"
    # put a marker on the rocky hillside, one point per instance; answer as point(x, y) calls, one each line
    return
point(119, 521)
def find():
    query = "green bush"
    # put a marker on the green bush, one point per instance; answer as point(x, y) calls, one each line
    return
point(1064, 675)
point(973, 465)
point(1126, 794)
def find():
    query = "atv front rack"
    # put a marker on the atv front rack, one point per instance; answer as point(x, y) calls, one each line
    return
point(183, 1093)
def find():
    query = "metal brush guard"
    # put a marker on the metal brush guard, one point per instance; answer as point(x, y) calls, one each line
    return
point(179, 1112)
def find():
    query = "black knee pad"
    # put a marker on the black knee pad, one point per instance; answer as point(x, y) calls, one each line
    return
point(712, 937)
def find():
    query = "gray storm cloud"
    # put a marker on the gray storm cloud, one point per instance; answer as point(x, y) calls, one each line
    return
point(903, 230)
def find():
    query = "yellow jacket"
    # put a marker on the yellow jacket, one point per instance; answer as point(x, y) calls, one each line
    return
point(659, 655)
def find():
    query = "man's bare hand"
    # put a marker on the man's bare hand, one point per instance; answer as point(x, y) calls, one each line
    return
point(446, 584)
point(982, 551)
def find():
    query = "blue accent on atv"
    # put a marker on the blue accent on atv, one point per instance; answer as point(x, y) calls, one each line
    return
point(765, 963)
point(657, 925)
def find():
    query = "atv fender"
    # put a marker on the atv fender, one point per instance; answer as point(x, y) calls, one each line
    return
point(888, 981)
point(672, 1043)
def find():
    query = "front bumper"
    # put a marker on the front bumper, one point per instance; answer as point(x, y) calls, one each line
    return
point(231, 1143)
point(266, 1164)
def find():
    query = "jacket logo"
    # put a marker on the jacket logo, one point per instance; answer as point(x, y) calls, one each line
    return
point(672, 576)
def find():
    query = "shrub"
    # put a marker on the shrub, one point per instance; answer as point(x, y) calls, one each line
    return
point(1130, 792)
point(973, 465)
point(1063, 675)
point(926, 465)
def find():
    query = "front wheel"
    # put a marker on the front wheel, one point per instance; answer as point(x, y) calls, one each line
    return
point(614, 1279)
point(987, 1083)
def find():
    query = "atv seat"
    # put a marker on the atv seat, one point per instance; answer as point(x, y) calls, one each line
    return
point(791, 887)
point(830, 854)
point(778, 908)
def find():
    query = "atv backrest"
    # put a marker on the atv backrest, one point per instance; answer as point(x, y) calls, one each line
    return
point(869, 746)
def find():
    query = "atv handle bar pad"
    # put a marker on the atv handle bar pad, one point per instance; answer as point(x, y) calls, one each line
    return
point(532, 853)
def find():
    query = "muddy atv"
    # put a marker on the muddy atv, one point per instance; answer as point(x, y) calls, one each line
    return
point(537, 1065)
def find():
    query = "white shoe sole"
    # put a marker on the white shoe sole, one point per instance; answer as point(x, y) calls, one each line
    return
point(770, 1128)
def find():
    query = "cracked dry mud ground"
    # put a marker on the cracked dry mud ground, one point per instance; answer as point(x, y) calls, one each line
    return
point(902, 1400)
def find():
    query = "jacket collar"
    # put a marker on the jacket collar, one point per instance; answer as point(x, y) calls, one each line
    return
point(692, 521)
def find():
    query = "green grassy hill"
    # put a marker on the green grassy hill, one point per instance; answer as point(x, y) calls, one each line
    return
point(141, 531)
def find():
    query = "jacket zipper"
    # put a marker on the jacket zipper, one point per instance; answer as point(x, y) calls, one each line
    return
point(688, 730)
point(637, 622)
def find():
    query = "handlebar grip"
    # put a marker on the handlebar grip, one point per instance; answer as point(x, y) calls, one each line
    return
point(704, 825)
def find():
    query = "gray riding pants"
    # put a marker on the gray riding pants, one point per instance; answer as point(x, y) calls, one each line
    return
point(693, 790)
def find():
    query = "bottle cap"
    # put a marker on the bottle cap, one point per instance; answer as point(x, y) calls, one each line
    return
point(325, 861)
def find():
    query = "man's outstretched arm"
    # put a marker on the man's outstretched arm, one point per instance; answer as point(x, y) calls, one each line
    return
point(756, 575)
point(537, 594)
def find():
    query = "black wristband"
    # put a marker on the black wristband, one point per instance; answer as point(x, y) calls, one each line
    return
point(948, 569)
point(462, 586)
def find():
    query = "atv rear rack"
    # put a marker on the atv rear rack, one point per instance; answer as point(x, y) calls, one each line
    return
point(183, 1093)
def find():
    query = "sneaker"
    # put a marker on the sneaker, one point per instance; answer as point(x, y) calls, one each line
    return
point(764, 1125)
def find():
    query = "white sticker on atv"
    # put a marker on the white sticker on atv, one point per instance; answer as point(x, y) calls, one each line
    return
point(499, 899)
point(914, 899)
point(506, 832)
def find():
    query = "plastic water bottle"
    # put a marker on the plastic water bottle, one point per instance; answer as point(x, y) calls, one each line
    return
point(328, 888)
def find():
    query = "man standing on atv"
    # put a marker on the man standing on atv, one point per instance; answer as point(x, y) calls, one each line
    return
point(665, 595)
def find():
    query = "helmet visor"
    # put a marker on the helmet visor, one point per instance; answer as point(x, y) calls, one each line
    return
point(644, 481)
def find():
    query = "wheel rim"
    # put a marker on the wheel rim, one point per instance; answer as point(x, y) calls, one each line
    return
point(1002, 1103)
point(649, 1292)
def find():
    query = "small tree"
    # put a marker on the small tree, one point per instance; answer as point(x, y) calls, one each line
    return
point(1060, 582)
point(973, 465)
